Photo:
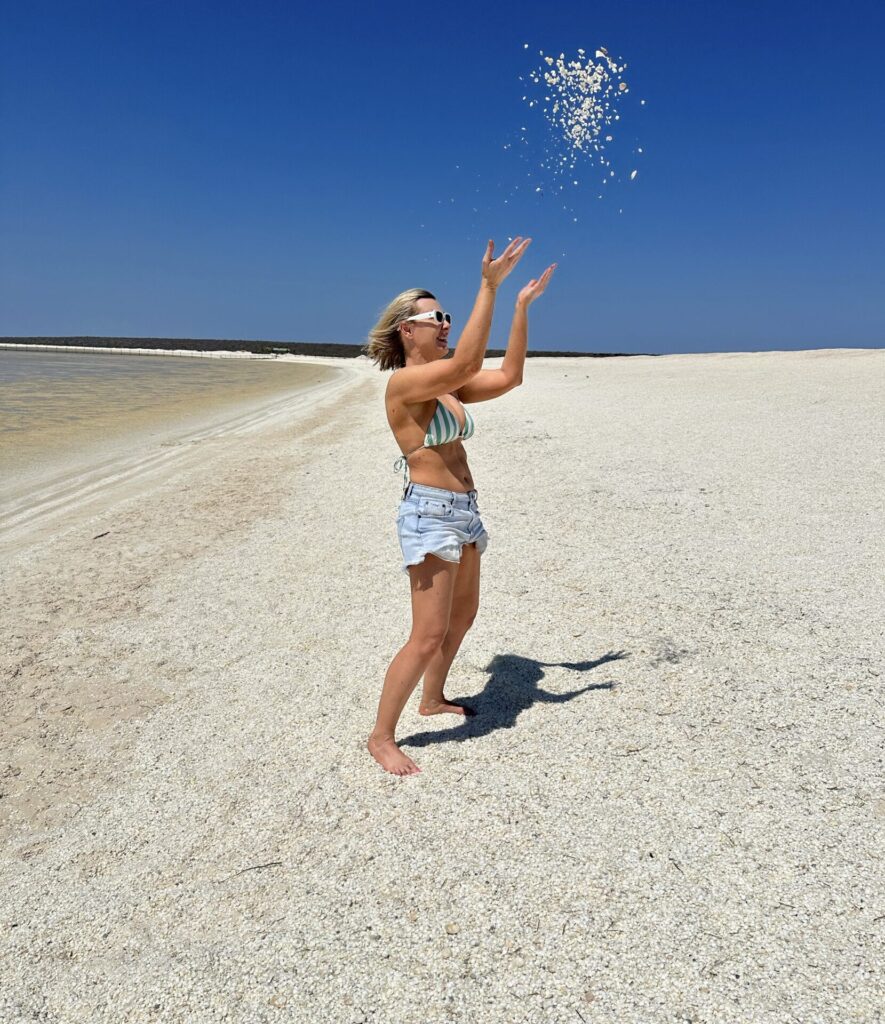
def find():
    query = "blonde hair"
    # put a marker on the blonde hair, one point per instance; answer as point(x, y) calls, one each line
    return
point(385, 346)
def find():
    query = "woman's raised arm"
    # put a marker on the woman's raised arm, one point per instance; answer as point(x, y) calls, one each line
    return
point(514, 357)
point(420, 383)
point(488, 384)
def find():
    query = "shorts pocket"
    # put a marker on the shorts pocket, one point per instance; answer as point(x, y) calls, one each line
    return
point(435, 508)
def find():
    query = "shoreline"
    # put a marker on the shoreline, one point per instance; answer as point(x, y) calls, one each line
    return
point(68, 484)
point(86, 569)
point(35, 505)
point(185, 352)
point(319, 351)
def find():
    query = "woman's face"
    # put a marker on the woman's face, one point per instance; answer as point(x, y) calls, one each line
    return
point(429, 340)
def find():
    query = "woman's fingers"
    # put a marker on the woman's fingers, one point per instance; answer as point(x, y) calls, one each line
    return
point(497, 269)
point(511, 248)
point(517, 253)
point(536, 286)
point(515, 248)
point(516, 245)
point(548, 273)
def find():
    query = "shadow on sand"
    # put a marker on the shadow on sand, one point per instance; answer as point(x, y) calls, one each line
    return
point(512, 687)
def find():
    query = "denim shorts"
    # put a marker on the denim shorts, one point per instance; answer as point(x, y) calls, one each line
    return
point(432, 521)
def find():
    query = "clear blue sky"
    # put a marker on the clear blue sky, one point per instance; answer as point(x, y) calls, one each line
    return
point(263, 170)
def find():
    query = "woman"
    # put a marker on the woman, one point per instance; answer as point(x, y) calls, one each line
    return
point(439, 526)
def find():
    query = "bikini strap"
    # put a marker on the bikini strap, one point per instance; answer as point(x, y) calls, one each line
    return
point(397, 466)
point(402, 463)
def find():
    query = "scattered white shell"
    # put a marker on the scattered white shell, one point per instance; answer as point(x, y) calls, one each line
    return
point(579, 101)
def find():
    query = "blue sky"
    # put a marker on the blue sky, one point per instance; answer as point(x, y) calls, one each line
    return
point(280, 171)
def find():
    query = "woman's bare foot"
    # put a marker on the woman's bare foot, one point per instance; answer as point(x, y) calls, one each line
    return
point(440, 707)
point(390, 757)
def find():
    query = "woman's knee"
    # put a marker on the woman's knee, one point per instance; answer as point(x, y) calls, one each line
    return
point(428, 641)
point(462, 621)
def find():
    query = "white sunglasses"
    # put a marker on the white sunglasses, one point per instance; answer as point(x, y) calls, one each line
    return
point(434, 314)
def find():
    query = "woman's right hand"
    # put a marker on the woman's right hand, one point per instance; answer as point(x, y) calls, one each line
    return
point(535, 287)
point(494, 271)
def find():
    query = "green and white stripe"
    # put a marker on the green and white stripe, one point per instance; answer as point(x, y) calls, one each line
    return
point(444, 427)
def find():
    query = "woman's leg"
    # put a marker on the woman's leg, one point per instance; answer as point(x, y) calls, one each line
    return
point(433, 583)
point(465, 602)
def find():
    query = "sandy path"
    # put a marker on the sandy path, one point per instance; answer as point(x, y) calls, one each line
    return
point(669, 807)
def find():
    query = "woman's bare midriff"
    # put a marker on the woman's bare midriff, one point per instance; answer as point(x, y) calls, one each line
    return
point(443, 466)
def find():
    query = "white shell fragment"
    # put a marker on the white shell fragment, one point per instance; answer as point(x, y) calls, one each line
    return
point(579, 100)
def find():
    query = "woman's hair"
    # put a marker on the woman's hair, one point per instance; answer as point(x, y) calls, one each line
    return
point(385, 346)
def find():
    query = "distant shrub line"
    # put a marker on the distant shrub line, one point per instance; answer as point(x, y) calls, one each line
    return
point(302, 348)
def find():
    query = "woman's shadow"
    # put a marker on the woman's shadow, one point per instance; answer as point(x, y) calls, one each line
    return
point(512, 687)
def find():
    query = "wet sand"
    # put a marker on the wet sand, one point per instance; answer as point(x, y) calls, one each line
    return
point(72, 436)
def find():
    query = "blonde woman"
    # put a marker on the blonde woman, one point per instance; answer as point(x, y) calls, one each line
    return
point(440, 530)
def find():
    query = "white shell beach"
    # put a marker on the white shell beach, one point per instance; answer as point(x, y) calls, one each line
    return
point(668, 807)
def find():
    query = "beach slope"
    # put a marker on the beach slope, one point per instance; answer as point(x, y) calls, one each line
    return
point(669, 805)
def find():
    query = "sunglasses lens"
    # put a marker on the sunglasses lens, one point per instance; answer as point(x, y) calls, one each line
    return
point(437, 316)
point(448, 318)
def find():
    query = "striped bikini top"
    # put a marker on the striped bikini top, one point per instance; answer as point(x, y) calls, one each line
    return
point(443, 427)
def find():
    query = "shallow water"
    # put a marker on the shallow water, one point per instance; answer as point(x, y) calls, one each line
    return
point(54, 404)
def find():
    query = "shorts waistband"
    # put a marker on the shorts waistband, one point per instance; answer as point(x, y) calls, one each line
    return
point(425, 490)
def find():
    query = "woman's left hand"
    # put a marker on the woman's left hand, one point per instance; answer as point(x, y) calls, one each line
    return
point(535, 288)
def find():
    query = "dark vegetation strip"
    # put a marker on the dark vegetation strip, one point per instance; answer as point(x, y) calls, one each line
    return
point(302, 348)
